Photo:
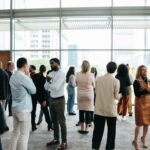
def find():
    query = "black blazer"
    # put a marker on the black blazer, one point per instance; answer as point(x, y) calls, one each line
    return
point(39, 81)
point(9, 75)
point(4, 84)
point(124, 83)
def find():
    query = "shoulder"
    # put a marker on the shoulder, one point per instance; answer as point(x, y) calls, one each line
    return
point(78, 74)
point(72, 76)
point(61, 72)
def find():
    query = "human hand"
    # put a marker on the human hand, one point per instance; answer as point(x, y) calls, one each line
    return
point(43, 104)
point(48, 78)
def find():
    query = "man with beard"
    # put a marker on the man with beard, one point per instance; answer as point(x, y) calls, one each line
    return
point(55, 84)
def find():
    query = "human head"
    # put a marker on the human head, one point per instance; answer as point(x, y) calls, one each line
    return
point(111, 67)
point(54, 63)
point(122, 70)
point(70, 72)
point(94, 71)
point(85, 66)
point(32, 68)
point(10, 66)
point(141, 71)
point(42, 68)
point(22, 64)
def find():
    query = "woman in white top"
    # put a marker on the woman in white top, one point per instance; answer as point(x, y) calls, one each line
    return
point(70, 79)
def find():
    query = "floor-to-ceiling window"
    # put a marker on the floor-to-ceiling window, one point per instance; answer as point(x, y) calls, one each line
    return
point(74, 30)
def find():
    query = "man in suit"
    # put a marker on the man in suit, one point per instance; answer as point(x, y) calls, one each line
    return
point(9, 70)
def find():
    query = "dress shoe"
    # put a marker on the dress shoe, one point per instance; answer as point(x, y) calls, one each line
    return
point(72, 113)
point(34, 128)
point(53, 142)
point(130, 114)
point(50, 127)
point(38, 123)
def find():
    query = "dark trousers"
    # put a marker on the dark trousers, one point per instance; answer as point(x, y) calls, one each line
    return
point(99, 124)
point(0, 144)
point(84, 116)
point(45, 111)
point(57, 109)
point(9, 103)
point(33, 113)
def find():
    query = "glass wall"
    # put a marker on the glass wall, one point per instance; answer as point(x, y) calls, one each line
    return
point(36, 33)
point(4, 4)
point(4, 34)
point(26, 4)
point(74, 30)
point(86, 3)
point(86, 32)
point(129, 2)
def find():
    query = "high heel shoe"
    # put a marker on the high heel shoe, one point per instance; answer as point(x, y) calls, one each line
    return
point(135, 145)
point(143, 143)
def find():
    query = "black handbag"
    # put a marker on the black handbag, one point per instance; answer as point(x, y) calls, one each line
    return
point(3, 125)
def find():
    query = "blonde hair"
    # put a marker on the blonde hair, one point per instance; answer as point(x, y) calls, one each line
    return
point(139, 70)
point(85, 66)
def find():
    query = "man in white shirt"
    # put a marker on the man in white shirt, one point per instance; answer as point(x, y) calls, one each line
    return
point(107, 90)
point(55, 84)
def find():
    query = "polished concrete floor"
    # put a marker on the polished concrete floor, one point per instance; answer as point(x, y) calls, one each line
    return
point(76, 141)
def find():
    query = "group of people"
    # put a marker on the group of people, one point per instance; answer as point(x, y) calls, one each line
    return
point(96, 101)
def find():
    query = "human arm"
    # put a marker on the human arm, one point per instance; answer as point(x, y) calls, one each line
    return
point(56, 82)
point(137, 89)
point(29, 85)
point(72, 81)
point(116, 89)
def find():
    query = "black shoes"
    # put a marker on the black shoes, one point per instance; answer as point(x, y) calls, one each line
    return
point(72, 113)
point(83, 132)
point(38, 123)
point(77, 124)
point(53, 142)
point(50, 127)
point(130, 114)
point(34, 128)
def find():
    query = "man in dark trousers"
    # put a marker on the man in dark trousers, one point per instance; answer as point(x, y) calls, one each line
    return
point(9, 70)
point(39, 80)
point(107, 90)
point(55, 84)
point(4, 82)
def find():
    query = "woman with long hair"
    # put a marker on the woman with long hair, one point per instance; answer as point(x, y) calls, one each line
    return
point(123, 77)
point(70, 79)
point(142, 105)
point(85, 94)
point(94, 71)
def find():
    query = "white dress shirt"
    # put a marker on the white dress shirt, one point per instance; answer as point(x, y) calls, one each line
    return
point(56, 84)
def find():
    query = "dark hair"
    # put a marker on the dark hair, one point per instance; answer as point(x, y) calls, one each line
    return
point(33, 67)
point(122, 70)
point(70, 72)
point(21, 62)
point(9, 64)
point(111, 67)
point(94, 70)
point(42, 68)
point(55, 60)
